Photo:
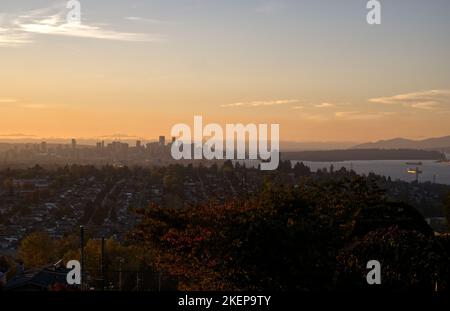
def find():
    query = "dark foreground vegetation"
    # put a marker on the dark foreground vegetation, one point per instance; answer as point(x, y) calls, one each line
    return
point(299, 231)
point(312, 237)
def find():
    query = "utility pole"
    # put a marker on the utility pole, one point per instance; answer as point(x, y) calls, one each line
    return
point(103, 262)
point(418, 172)
point(82, 256)
point(137, 281)
point(120, 274)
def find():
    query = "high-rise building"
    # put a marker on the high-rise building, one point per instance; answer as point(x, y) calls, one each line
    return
point(74, 143)
point(44, 147)
point(162, 140)
point(138, 144)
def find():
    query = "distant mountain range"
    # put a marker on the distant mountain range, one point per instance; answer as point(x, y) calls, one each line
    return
point(439, 143)
point(304, 146)
point(363, 155)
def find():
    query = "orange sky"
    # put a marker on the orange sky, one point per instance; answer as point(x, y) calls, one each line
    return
point(139, 70)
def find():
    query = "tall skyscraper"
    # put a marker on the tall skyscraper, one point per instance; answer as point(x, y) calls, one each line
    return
point(138, 144)
point(74, 143)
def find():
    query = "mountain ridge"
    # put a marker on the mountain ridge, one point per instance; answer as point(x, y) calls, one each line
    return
point(436, 143)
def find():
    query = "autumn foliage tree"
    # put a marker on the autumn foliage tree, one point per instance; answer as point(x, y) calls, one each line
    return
point(37, 250)
point(286, 238)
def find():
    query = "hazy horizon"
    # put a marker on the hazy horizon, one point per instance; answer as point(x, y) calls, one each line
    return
point(285, 145)
point(14, 138)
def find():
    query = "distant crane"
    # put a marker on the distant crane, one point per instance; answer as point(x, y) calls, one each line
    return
point(416, 172)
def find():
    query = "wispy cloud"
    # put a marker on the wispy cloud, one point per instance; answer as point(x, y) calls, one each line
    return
point(16, 135)
point(262, 103)
point(118, 135)
point(314, 117)
point(16, 104)
point(146, 20)
point(7, 100)
point(13, 38)
point(298, 107)
point(37, 106)
point(427, 100)
point(22, 29)
point(358, 115)
point(428, 105)
point(325, 105)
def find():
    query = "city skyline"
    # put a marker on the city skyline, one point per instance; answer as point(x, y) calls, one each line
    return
point(138, 68)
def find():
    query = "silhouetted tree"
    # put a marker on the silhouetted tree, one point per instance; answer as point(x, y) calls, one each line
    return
point(409, 261)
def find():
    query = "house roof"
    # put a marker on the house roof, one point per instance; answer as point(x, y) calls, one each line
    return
point(39, 278)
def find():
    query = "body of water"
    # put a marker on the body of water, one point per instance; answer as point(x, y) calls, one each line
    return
point(432, 171)
point(396, 169)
